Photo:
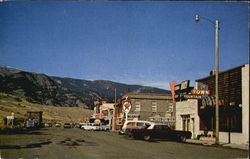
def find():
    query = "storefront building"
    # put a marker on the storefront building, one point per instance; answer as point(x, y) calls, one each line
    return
point(233, 105)
point(187, 118)
point(196, 113)
point(186, 108)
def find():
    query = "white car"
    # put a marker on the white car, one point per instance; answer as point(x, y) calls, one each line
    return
point(88, 126)
point(135, 124)
point(104, 127)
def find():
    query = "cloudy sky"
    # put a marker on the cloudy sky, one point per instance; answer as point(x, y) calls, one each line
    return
point(146, 43)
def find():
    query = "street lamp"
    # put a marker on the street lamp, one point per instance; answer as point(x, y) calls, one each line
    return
point(216, 23)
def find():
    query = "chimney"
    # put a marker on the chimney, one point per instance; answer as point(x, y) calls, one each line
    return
point(212, 72)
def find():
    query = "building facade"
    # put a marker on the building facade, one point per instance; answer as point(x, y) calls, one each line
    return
point(233, 105)
point(198, 115)
point(103, 112)
point(146, 106)
point(187, 118)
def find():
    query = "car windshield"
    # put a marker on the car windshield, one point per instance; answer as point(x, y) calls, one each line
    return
point(165, 127)
point(147, 125)
point(157, 127)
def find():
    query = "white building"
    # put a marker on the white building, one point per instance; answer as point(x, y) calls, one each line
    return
point(187, 117)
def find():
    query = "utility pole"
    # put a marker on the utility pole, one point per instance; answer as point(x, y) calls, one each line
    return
point(217, 80)
point(216, 23)
point(114, 112)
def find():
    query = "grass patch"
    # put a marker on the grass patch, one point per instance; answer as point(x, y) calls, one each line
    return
point(20, 106)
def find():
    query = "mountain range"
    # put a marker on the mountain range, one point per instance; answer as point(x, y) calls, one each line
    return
point(60, 91)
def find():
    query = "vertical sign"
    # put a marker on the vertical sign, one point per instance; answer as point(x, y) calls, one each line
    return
point(172, 87)
point(126, 108)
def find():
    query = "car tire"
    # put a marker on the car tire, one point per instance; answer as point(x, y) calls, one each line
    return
point(147, 137)
point(130, 135)
point(182, 138)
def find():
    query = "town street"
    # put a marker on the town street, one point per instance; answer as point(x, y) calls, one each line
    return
point(75, 143)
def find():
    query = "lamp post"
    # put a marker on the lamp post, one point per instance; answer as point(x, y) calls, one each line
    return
point(216, 23)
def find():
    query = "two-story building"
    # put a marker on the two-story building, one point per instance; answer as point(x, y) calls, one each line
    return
point(150, 106)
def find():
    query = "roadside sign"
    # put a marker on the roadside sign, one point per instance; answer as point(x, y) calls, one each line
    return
point(126, 107)
point(10, 117)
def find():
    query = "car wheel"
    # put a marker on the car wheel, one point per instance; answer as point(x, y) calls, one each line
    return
point(183, 138)
point(130, 135)
point(147, 137)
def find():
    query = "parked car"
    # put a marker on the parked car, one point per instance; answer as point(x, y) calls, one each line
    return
point(104, 127)
point(89, 126)
point(67, 125)
point(58, 125)
point(134, 124)
point(158, 131)
point(77, 126)
point(48, 124)
point(81, 124)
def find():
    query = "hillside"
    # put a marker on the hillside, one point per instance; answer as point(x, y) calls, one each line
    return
point(58, 91)
point(10, 103)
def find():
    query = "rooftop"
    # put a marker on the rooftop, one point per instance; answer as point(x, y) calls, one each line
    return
point(147, 95)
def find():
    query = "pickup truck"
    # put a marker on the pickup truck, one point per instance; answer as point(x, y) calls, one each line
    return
point(158, 131)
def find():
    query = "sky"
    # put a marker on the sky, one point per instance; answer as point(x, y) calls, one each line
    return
point(147, 43)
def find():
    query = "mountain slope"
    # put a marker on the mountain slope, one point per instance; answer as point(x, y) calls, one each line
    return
point(58, 91)
point(106, 89)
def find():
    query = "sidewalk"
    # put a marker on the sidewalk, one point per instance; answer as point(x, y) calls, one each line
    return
point(212, 142)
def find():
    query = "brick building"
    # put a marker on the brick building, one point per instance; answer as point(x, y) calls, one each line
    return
point(149, 105)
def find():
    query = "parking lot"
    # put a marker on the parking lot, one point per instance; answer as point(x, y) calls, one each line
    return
point(75, 143)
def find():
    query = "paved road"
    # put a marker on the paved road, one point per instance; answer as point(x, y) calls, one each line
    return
point(60, 143)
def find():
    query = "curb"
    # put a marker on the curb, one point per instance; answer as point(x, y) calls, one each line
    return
point(211, 143)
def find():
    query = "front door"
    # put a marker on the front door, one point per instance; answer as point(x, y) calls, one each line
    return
point(185, 122)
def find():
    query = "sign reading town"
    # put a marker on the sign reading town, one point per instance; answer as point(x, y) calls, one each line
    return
point(183, 91)
point(200, 92)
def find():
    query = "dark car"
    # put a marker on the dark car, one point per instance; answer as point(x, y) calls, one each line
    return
point(158, 131)
point(67, 125)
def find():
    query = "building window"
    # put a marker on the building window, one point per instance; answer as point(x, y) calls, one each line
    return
point(137, 106)
point(185, 122)
point(230, 119)
point(154, 107)
point(170, 107)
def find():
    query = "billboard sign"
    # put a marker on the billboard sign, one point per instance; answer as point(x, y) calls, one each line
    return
point(184, 84)
point(177, 87)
